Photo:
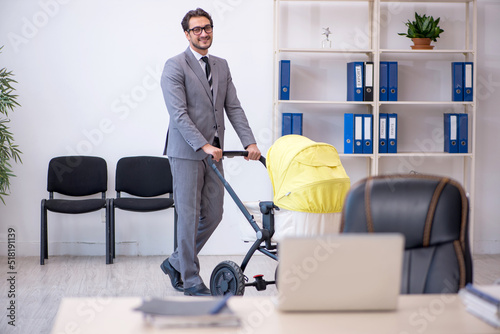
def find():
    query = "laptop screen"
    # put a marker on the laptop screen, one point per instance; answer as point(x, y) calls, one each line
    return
point(345, 272)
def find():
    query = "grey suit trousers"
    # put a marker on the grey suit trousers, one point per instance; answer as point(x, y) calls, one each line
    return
point(199, 197)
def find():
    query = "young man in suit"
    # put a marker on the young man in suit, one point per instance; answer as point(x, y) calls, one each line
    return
point(197, 88)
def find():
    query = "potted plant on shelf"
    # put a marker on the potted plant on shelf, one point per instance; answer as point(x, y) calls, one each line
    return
point(422, 31)
point(8, 150)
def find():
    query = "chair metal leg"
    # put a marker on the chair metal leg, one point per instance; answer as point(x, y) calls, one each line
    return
point(43, 234)
point(112, 221)
point(109, 256)
point(107, 237)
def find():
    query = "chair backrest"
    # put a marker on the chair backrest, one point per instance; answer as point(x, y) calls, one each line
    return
point(144, 176)
point(431, 212)
point(77, 175)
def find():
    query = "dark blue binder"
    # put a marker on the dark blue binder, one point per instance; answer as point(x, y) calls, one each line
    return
point(286, 124)
point(291, 124)
point(468, 80)
point(457, 79)
point(383, 81)
point(451, 133)
point(348, 133)
point(358, 133)
point(368, 134)
point(463, 133)
point(297, 124)
point(393, 81)
point(285, 79)
point(355, 77)
point(392, 133)
point(382, 130)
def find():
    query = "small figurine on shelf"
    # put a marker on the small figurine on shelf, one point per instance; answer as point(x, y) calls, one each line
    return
point(326, 43)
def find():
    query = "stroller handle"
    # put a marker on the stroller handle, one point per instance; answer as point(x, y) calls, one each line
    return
point(228, 187)
point(232, 154)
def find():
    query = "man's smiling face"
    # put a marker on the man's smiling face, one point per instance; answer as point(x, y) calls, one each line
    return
point(200, 43)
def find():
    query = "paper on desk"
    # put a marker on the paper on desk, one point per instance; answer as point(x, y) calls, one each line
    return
point(195, 313)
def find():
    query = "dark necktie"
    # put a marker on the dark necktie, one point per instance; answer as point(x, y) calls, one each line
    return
point(208, 72)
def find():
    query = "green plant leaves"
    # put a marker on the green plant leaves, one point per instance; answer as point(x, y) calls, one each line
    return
point(8, 150)
point(423, 27)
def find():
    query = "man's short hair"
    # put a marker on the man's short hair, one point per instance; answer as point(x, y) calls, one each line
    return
point(194, 13)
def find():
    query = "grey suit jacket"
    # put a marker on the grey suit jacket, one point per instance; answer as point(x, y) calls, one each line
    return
point(194, 114)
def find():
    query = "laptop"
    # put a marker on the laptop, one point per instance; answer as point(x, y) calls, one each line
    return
point(341, 272)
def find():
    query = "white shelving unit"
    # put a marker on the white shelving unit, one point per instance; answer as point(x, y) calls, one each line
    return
point(318, 79)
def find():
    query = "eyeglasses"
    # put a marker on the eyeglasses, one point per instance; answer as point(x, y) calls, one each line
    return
point(197, 30)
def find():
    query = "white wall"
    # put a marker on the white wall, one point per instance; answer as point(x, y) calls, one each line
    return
point(88, 76)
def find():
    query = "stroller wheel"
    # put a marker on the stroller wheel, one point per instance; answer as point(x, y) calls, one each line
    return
point(227, 278)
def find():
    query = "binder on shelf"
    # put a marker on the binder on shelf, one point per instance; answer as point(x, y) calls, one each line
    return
point(348, 133)
point(368, 87)
point(457, 79)
point(382, 130)
point(367, 134)
point(291, 124)
point(468, 81)
point(383, 81)
point(358, 133)
point(463, 133)
point(286, 124)
point(284, 79)
point(297, 124)
point(392, 133)
point(355, 81)
point(392, 70)
point(451, 133)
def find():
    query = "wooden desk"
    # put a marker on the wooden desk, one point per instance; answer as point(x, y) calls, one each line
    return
point(416, 314)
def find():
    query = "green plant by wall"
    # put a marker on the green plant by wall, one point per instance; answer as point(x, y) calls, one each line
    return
point(423, 27)
point(8, 150)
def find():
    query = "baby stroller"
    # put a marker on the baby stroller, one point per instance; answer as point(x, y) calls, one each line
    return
point(309, 185)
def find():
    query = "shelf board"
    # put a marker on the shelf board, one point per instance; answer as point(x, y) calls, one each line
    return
point(411, 51)
point(430, 1)
point(355, 155)
point(427, 102)
point(324, 102)
point(417, 1)
point(295, 50)
point(425, 154)
point(325, 0)
point(408, 154)
point(380, 102)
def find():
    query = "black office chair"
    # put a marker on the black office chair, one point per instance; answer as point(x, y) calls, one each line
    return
point(146, 178)
point(431, 212)
point(75, 176)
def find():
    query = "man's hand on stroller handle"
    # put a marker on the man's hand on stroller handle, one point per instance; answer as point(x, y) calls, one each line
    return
point(215, 152)
point(253, 152)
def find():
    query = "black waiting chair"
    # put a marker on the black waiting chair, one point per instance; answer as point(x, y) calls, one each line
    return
point(73, 176)
point(147, 180)
point(431, 212)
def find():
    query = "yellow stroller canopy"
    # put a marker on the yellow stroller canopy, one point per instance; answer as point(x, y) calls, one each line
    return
point(307, 176)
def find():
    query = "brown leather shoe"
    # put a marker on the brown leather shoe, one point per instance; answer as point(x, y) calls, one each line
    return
point(175, 276)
